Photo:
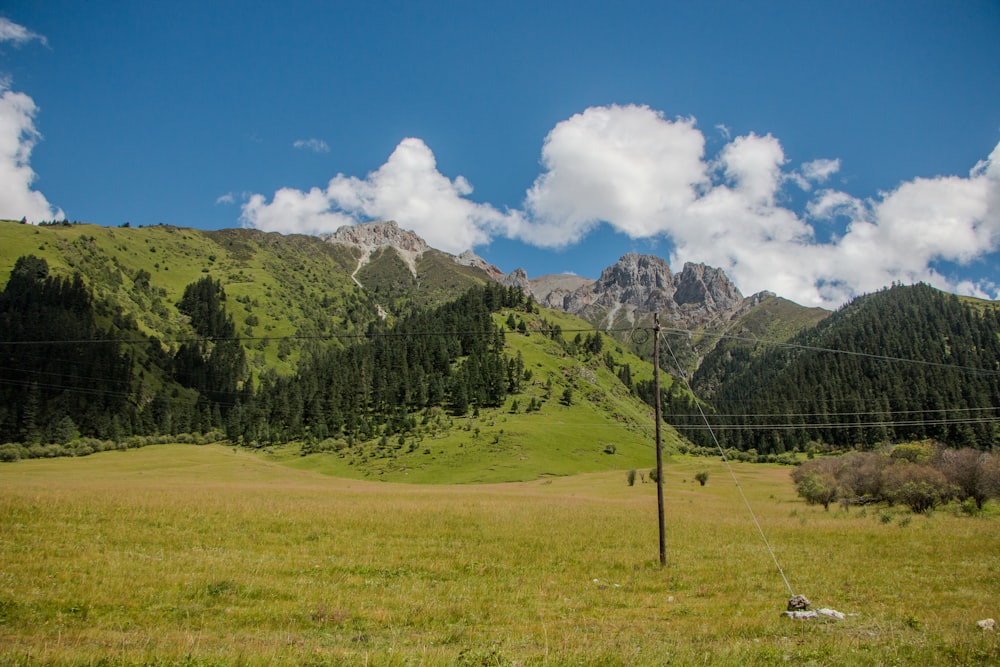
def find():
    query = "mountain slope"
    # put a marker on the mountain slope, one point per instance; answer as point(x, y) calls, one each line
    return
point(169, 294)
point(904, 363)
point(284, 302)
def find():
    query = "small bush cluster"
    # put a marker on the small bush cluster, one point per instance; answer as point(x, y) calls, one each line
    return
point(14, 451)
point(732, 454)
point(921, 476)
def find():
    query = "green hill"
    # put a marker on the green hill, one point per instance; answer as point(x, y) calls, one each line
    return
point(905, 363)
point(173, 300)
point(361, 363)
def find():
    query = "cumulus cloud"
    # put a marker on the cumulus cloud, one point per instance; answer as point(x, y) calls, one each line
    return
point(314, 145)
point(17, 34)
point(817, 171)
point(624, 165)
point(408, 188)
point(18, 137)
point(647, 177)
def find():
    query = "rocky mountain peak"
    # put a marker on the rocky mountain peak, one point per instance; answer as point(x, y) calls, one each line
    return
point(701, 284)
point(633, 287)
point(371, 236)
point(469, 258)
point(639, 285)
point(635, 278)
point(517, 278)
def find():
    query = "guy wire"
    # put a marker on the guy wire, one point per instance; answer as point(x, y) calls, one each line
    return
point(729, 467)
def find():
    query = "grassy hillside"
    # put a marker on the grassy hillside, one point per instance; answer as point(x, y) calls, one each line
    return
point(277, 286)
point(573, 414)
point(602, 427)
point(181, 555)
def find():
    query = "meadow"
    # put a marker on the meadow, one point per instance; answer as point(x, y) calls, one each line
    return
point(206, 555)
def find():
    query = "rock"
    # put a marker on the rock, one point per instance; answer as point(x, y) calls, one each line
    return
point(987, 624)
point(798, 603)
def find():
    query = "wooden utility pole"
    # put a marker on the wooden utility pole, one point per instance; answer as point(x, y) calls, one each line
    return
point(659, 443)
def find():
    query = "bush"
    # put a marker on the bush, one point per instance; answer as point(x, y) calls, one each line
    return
point(914, 452)
point(860, 477)
point(817, 488)
point(702, 477)
point(11, 452)
point(652, 475)
point(974, 474)
point(631, 477)
point(919, 487)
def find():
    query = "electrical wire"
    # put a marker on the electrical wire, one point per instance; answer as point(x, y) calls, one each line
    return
point(878, 422)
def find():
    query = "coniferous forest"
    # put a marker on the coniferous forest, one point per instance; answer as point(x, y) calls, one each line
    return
point(67, 376)
point(906, 363)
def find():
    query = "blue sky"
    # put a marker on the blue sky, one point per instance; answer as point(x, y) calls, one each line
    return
point(817, 150)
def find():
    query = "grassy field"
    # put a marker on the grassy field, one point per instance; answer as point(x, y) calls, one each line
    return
point(208, 555)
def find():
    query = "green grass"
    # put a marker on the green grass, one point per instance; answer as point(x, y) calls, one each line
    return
point(603, 428)
point(209, 555)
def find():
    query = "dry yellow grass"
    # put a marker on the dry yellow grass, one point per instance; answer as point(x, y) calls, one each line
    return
point(206, 555)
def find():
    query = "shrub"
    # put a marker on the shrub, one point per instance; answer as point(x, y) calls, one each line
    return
point(914, 452)
point(817, 488)
point(631, 477)
point(860, 477)
point(11, 452)
point(702, 477)
point(974, 474)
point(919, 487)
point(652, 475)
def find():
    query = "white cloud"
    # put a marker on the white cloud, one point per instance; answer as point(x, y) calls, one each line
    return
point(17, 34)
point(626, 165)
point(408, 188)
point(829, 204)
point(292, 211)
point(648, 177)
point(818, 171)
point(314, 145)
point(753, 165)
point(18, 137)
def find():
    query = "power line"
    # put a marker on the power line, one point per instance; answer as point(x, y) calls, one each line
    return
point(548, 331)
point(817, 348)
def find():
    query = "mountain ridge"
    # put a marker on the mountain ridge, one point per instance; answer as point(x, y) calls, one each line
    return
point(632, 288)
point(283, 304)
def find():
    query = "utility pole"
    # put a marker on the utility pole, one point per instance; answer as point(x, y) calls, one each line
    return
point(659, 443)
